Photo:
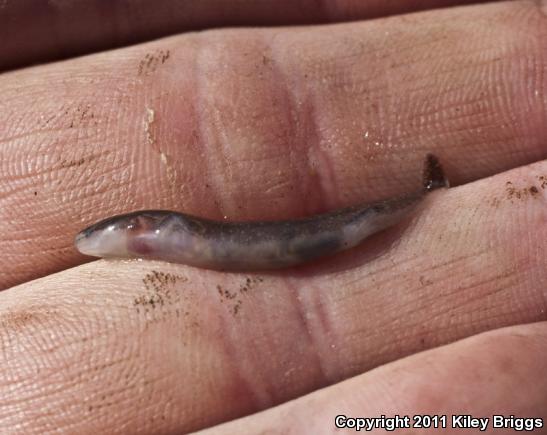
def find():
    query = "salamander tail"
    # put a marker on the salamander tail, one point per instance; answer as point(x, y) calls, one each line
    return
point(433, 175)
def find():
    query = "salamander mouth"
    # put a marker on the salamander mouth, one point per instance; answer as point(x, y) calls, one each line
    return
point(79, 237)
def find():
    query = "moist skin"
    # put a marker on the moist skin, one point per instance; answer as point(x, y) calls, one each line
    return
point(182, 238)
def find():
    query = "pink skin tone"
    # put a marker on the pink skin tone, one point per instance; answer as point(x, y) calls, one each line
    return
point(443, 313)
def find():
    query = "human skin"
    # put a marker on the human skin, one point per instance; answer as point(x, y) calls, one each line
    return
point(33, 31)
point(443, 314)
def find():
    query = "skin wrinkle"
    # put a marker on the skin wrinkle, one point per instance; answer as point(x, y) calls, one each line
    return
point(49, 350)
point(324, 320)
point(299, 119)
point(302, 312)
point(223, 125)
point(39, 173)
point(170, 180)
point(303, 137)
point(533, 67)
point(303, 87)
point(320, 323)
point(315, 168)
point(245, 387)
point(429, 301)
point(236, 387)
point(535, 257)
point(260, 50)
point(324, 175)
point(120, 394)
point(370, 275)
point(456, 108)
point(270, 385)
point(459, 312)
point(156, 106)
point(146, 155)
point(199, 72)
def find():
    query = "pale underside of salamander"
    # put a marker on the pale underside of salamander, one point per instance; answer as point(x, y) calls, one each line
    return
point(247, 246)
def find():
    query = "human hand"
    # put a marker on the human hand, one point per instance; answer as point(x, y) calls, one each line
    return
point(268, 124)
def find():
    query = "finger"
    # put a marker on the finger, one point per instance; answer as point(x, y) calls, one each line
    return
point(454, 380)
point(34, 31)
point(301, 121)
point(161, 346)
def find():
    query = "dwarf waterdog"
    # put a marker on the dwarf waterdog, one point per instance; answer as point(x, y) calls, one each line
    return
point(223, 245)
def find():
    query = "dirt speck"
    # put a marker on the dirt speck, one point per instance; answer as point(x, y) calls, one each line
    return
point(18, 319)
point(249, 283)
point(542, 181)
point(495, 202)
point(234, 298)
point(160, 290)
point(425, 281)
point(152, 61)
point(80, 115)
point(520, 193)
point(71, 163)
point(236, 308)
point(225, 294)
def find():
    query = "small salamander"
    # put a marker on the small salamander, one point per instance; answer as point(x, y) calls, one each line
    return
point(247, 246)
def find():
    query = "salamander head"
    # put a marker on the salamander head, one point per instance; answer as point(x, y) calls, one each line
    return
point(122, 236)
